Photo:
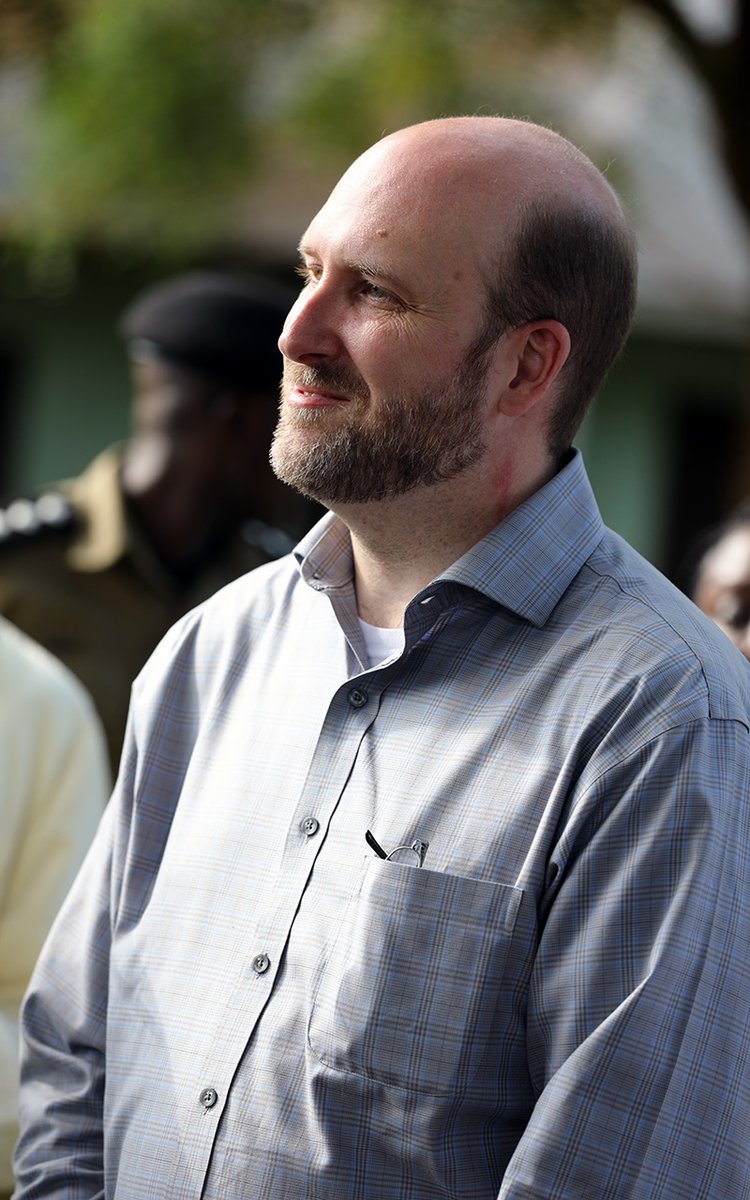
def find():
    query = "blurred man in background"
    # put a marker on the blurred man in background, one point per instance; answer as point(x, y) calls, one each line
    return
point(54, 784)
point(99, 568)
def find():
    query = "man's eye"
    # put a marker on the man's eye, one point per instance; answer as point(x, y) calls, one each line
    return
point(379, 294)
point(308, 273)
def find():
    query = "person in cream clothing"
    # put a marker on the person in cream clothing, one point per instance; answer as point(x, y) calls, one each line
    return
point(54, 783)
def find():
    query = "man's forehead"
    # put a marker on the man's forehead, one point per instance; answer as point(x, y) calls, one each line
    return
point(468, 180)
point(415, 262)
point(394, 175)
point(390, 216)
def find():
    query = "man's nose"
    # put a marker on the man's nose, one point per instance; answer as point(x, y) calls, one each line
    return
point(310, 331)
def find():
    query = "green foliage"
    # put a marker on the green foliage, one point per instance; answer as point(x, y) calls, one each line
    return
point(153, 115)
point(401, 64)
point(138, 133)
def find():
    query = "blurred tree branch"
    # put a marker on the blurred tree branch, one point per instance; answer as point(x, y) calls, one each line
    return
point(724, 69)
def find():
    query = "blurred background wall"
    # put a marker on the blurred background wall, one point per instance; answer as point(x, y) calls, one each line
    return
point(140, 139)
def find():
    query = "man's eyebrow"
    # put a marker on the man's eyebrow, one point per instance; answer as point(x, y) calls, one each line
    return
point(374, 271)
point(371, 270)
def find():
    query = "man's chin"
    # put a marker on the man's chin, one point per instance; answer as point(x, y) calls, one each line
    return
point(291, 459)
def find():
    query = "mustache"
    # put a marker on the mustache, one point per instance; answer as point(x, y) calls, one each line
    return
point(327, 376)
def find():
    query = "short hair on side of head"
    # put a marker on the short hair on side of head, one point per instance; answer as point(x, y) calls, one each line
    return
point(572, 264)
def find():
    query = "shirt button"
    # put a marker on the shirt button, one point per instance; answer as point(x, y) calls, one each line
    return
point(310, 826)
point(356, 698)
point(208, 1097)
point(261, 963)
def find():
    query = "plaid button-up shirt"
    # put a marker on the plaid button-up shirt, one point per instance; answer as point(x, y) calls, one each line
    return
point(240, 999)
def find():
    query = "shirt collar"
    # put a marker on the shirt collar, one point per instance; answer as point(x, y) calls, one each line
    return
point(525, 563)
point(325, 554)
point(529, 560)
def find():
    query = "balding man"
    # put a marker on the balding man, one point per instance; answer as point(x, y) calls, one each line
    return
point(427, 872)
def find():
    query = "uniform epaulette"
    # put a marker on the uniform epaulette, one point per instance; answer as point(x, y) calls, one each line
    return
point(26, 520)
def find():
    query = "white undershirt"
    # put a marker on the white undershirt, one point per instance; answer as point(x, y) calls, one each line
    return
point(380, 643)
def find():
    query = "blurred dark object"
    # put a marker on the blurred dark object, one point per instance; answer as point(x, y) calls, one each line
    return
point(703, 441)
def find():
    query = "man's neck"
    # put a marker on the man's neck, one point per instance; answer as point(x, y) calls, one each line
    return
point(400, 545)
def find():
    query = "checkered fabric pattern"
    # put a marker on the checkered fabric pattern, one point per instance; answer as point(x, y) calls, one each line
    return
point(240, 999)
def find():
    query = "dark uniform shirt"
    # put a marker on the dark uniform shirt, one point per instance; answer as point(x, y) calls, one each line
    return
point(76, 576)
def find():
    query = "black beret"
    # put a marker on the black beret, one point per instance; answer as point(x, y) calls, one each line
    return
point(220, 325)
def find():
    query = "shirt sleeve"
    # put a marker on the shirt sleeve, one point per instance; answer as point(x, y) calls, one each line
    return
point(60, 1151)
point(638, 1015)
point(55, 786)
point(63, 1023)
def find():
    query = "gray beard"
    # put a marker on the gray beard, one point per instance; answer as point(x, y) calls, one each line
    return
point(411, 441)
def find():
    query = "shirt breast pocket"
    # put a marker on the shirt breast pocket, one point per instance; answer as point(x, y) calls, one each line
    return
point(411, 990)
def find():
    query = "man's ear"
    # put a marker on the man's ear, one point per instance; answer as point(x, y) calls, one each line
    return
point(539, 352)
